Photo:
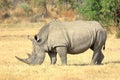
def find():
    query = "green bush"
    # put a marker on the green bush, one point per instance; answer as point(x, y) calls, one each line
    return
point(99, 10)
point(85, 10)
point(118, 34)
point(26, 8)
point(37, 3)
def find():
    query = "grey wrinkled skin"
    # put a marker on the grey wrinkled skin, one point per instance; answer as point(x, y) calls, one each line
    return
point(67, 37)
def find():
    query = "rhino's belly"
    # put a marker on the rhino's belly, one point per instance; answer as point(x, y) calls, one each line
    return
point(80, 40)
point(80, 45)
point(78, 50)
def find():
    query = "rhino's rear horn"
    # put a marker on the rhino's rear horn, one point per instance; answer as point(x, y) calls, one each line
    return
point(29, 55)
point(23, 60)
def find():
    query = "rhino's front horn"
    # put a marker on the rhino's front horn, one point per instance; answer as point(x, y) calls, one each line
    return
point(23, 60)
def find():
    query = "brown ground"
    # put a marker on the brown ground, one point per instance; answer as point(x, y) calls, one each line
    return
point(13, 41)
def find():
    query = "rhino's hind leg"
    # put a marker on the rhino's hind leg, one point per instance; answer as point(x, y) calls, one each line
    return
point(101, 57)
point(95, 58)
point(62, 51)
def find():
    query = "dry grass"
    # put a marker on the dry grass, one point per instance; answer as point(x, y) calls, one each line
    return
point(13, 41)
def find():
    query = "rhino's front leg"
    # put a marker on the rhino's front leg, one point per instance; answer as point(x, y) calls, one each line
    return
point(53, 57)
point(62, 51)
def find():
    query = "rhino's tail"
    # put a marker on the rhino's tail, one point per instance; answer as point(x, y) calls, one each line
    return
point(105, 37)
point(104, 46)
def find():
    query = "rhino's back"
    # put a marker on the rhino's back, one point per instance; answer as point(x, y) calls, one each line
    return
point(77, 36)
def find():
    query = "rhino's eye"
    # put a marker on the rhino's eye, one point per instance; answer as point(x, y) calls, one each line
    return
point(37, 39)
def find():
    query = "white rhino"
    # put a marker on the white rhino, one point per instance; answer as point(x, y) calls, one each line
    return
point(67, 37)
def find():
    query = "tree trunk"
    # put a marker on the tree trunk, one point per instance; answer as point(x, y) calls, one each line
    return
point(45, 9)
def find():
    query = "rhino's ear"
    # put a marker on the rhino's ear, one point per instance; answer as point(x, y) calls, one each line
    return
point(37, 38)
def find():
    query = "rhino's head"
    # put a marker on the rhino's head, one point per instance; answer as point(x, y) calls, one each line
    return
point(38, 53)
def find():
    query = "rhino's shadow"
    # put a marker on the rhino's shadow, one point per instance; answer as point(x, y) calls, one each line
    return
point(105, 63)
point(78, 64)
point(115, 62)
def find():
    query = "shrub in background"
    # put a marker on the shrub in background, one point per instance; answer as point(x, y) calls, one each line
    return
point(118, 34)
point(27, 9)
point(100, 10)
point(5, 4)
